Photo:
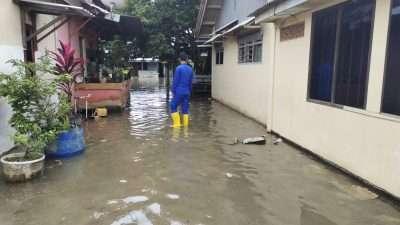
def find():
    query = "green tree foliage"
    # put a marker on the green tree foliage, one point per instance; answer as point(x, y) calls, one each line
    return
point(168, 26)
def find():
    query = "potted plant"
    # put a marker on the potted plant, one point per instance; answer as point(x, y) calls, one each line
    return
point(37, 116)
point(68, 69)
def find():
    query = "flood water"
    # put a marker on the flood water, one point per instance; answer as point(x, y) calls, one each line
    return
point(138, 170)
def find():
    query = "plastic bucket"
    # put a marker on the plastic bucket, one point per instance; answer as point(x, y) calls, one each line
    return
point(69, 143)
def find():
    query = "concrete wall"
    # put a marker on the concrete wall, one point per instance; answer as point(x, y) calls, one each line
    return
point(364, 142)
point(11, 48)
point(244, 86)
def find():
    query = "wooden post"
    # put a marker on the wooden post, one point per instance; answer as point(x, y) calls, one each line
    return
point(168, 81)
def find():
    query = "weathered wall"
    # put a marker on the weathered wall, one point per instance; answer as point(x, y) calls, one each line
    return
point(10, 48)
point(364, 142)
point(50, 42)
point(244, 86)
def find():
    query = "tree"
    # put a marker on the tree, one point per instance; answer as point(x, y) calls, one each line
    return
point(168, 26)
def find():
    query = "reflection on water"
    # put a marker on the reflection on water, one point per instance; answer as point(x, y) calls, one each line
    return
point(137, 170)
point(148, 106)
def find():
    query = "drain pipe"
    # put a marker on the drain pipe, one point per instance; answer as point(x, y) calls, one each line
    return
point(272, 80)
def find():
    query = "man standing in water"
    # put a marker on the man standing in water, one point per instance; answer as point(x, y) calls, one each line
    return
point(181, 90)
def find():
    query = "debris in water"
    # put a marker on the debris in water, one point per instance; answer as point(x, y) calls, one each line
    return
point(134, 217)
point(151, 191)
point(277, 141)
point(112, 202)
point(135, 199)
point(154, 208)
point(103, 140)
point(123, 181)
point(58, 162)
point(229, 175)
point(173, 222)
point(172, 196)
point(97, 215)
point(247, 141)
point(362, 193)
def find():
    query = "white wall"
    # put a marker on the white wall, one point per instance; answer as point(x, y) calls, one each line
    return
point(10, 48)
point(244, 86)
point(364, 142)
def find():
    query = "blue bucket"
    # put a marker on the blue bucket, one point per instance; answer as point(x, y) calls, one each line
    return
point(69, 143)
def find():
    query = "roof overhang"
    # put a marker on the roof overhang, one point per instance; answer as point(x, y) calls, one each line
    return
point(50, 8)
point(207, 17)
point(280, 9)
point(126, 26)
point(244, 25)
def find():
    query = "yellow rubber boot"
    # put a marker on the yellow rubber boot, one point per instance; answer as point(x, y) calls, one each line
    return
point(185, 120)
point(176, 119)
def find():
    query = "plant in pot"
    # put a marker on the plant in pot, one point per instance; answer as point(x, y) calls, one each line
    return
point(68, 69)
point(38, 117)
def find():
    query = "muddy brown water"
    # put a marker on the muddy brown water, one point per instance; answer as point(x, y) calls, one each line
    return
point(137, 170)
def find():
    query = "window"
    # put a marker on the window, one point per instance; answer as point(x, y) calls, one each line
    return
point(340, 53)
point(219, 55)
point(250, 48)
point(391, 89)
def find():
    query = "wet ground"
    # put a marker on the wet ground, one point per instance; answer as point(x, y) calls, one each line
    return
point(137, 170)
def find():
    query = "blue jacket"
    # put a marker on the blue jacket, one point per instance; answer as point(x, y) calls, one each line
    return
point(183, 77)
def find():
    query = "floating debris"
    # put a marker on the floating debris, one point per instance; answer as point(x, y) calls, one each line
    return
point(277, 141)
point(174, 222)
point(103, 140)
point(135, 199)
point(154, 208)
point(134, 217)
point(253, 141)
point(123, 181)
point(172, 196)
point(112, 202)
point(97, 215)
point(229, 175)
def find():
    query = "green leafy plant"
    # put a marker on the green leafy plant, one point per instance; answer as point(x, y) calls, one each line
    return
point(38, 115)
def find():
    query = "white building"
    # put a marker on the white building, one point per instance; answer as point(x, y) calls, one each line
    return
point(323, 74)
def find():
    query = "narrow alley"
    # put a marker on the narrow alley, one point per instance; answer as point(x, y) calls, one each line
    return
point(136, 170)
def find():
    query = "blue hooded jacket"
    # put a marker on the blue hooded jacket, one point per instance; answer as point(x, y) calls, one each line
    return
point(183, 77)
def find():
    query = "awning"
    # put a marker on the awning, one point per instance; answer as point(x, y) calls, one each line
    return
point(127, 26)
point(53, 8)
point(215, 37)
point(240, 25)
point(226, 26)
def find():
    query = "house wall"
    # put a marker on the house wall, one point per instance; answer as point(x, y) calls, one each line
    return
point(364, 142)
point(244, 86)
point(10, 48)
point(50, 42)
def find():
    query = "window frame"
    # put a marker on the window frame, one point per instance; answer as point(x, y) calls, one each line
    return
point(386, 63)
point(245, 43)
point(336, 56)
point(218, 51)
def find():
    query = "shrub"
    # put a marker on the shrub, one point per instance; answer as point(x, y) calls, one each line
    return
point(37, 115)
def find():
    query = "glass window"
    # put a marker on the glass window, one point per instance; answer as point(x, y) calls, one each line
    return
point(391, 91)
point(340, 53)
point(250, 48)
point(219, 55)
